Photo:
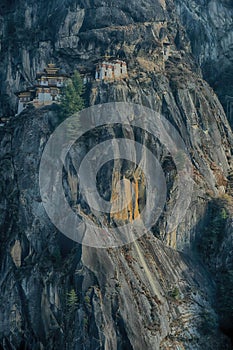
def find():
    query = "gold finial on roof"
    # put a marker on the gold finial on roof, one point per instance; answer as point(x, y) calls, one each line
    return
point(51, 65)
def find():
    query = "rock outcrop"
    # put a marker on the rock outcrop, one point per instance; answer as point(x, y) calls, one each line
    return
point(155, 293)
point(209, 27)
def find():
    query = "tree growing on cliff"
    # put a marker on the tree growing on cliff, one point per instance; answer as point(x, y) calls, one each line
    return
point(72, 300)
point(72, 96)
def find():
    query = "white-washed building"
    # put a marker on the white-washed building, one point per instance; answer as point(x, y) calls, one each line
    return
point(46, 90)
point(106, 70)
point(24, 98)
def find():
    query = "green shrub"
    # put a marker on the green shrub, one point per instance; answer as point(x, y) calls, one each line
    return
point(213, 233)
point(85, 321)
point(87, 299)
point(175, 293)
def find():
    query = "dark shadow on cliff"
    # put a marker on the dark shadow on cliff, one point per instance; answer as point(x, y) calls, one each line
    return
point(213, 246)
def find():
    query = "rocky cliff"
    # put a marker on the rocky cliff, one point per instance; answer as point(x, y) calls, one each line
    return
point(209, 27)
point(159, 291)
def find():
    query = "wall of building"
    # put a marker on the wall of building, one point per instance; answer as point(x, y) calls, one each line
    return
point(111, 70)
point(21, 106)
point(44, 97)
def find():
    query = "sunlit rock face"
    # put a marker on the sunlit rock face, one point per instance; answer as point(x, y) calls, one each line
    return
point(145, 295)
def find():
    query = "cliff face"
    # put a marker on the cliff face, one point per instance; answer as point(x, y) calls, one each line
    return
point(209, 27)
point(144, 295)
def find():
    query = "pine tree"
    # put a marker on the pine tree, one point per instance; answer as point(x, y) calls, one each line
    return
point(72, 299)
point(71, 96)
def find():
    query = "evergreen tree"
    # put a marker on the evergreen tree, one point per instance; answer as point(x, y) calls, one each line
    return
point(72, 299)
point(71, 96)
